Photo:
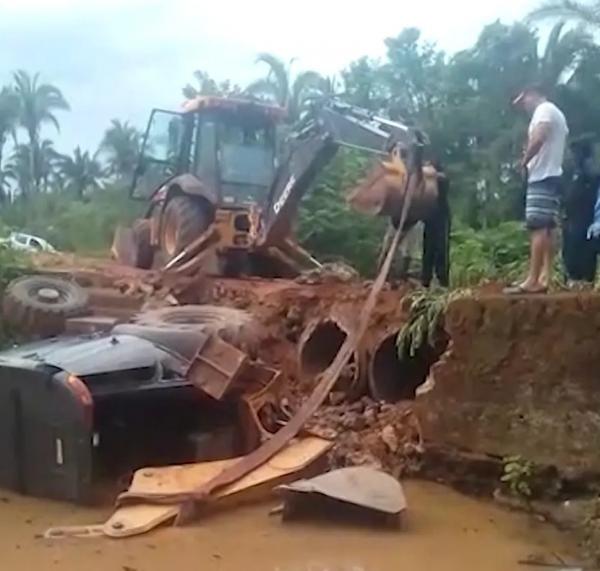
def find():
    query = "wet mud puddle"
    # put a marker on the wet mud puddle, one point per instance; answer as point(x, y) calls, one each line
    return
point(444, 531)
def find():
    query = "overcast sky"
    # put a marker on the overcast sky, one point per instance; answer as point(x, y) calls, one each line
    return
point(118, 59)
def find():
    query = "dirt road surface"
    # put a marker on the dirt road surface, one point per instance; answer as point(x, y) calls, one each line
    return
point(445, 531)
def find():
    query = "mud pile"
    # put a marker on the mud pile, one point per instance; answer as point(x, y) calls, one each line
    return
point(368, 433)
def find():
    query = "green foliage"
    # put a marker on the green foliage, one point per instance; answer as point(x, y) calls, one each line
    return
point(286, 90)
point(9, 115)
point(584, 13)
point(79, 174)
point(517, 476)
point(363, 85)
point(425, 315)
point(85, 226)
point(463, 102)
point(13, 264)
point(206, 85)
point(38, 103)
point(425, 321)
point(499, 253)
point(329, 228)
point(121, 146)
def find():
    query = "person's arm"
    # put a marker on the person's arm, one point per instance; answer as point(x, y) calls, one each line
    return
point(537, 139)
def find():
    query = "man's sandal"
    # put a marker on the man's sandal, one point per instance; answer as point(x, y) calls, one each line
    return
point(520, 290)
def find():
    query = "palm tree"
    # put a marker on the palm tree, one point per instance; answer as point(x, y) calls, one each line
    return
point(37, 106)
point(279, 86)
point(208, 86)
point(6, 176)
point(9, 115)
point(582, 12)
point(121, 143)
point(47, 160)
point(44, 160)
point(562, 53)
point(79, 173)
point(18, 169)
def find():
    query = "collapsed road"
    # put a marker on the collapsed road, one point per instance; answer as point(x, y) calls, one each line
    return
point(486, 333)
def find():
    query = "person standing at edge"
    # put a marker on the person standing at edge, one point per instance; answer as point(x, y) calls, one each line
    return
point(436, 237)
point(579, 253)
point(543, 162)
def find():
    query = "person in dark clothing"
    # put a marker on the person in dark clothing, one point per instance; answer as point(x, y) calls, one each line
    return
point(580, 253)
point(436, 236)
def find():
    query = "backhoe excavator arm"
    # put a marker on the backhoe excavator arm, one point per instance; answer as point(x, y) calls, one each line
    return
point(312, 147)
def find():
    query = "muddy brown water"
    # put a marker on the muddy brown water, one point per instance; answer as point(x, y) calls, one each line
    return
point(445, 531)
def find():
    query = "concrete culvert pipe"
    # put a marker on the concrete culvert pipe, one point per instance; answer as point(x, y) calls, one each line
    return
point(393, 378)
point(319, 346)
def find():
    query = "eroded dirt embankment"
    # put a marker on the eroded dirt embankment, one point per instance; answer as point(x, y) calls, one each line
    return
point(521, 376)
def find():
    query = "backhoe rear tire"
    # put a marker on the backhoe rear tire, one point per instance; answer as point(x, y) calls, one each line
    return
point(184, 219)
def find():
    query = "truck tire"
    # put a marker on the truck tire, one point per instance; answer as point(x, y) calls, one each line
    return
point(184, 219)
point(235, 326)
point(39, 305)
point(181, 339)
point(145, 252)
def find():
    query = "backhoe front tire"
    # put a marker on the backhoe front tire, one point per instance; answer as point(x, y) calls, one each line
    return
point(184, 220)
point(144, 251)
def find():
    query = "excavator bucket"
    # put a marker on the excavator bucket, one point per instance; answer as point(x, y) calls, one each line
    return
point(383, 190)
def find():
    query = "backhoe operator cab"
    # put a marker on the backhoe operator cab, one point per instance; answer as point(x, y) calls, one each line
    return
point(212, 163)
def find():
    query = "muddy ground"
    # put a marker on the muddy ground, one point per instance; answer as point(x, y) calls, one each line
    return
point(444, 531)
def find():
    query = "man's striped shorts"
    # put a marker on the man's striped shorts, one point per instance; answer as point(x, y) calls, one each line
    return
point(542, 206)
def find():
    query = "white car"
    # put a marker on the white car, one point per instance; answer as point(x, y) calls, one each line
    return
point(27, 243)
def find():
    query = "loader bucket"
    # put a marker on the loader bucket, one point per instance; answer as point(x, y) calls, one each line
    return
point(382, 192)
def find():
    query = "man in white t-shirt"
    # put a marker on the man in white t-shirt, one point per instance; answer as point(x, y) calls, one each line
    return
point(543, 161)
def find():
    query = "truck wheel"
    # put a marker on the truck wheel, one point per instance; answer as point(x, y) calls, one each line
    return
point(39, 305)
point(145, 252)
point(235, 326)
point(184, 219)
